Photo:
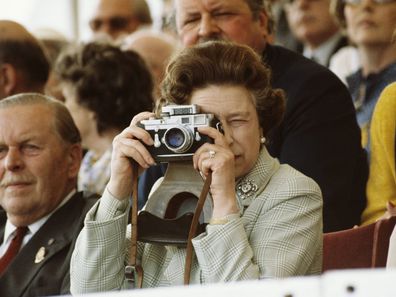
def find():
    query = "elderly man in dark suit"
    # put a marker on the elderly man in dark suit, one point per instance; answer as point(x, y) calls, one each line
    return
point(319, 135)
point(42, 212)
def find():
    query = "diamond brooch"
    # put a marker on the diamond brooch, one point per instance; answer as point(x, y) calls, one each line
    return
point(246, 189)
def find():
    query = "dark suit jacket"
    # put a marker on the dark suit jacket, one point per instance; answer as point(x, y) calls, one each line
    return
point(319, 136)
point(51, 276)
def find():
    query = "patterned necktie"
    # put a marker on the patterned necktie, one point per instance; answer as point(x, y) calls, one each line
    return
point(13, 248)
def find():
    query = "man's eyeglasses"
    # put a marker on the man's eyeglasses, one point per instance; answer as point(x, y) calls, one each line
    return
point(115, 23)
point(358, 2)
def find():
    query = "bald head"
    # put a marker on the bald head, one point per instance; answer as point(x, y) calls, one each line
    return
point(23, 64)
point(155, 48)
point(14, 31)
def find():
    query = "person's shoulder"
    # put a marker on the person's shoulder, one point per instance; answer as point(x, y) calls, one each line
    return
point(386, 104)
point(89, 198)
point(293, 181)
point(287, 66)
point(83, 201)
point(282, 57)
point(389, 93)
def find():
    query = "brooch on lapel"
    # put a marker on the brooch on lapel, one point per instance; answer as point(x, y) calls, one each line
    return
point(246, 189)
point(40, 255)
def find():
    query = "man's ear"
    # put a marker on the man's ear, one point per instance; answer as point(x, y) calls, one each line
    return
point(74, 158)
point(264, 21)
point(8, 79)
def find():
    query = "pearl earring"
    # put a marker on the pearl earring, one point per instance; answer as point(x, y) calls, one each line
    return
point(262, 140)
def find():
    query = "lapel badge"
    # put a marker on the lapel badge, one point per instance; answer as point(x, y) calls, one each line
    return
point(40, 255)
point(246, 189)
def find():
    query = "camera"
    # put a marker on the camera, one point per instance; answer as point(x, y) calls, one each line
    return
point(175, 133)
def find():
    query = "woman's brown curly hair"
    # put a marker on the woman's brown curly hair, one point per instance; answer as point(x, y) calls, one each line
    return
point(223, 63)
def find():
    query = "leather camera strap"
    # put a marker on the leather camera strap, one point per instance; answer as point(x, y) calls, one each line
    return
point(194, 226)
point(134, 272)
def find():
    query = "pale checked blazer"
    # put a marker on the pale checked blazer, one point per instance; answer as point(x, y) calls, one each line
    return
point(278, 234)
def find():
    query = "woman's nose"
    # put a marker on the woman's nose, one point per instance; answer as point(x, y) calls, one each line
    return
point(228, 134)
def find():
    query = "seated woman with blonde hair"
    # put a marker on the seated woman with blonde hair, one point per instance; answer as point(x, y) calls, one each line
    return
point(273, 230)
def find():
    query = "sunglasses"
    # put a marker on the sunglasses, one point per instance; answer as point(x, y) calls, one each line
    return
point(115, 23)
point(357, 2)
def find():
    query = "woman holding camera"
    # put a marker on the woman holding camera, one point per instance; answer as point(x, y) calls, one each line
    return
point(267, 217)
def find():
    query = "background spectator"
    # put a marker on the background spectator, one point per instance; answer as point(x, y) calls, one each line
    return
point(370, 25)
point(317, 30)
point(381, 186)
point(104, 88)
point(53, 43)
point(23, 64)
point(117, 18)
point(156, 49)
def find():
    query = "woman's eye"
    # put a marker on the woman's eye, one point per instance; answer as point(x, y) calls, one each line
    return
point(238, 122)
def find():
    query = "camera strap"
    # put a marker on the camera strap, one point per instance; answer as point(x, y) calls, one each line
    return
point(194, 227)
point(134, 272)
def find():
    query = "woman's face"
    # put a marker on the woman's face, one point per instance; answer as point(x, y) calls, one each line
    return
point(234, 107)
point(82, 116)
point(369, 23)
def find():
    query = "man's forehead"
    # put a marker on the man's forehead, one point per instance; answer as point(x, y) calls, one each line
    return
point(28, 123)
point(190, 5)
point(33, 113)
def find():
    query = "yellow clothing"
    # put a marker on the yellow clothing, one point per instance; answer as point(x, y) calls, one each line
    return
point(381, 186)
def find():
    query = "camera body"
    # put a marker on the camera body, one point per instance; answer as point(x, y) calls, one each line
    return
point(175, 133)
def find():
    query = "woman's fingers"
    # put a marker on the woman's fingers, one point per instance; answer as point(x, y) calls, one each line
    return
point(134, 149)
point(141, 116)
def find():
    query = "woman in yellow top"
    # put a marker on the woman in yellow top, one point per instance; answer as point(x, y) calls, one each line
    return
point(381, 186)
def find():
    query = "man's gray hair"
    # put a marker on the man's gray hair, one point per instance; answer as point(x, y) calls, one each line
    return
point(63, 121)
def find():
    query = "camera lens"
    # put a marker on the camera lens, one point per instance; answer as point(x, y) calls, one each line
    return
point(175, 138)
point(178, 139)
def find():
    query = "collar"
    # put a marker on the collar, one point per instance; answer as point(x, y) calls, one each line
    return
point(256, 180)
point(322, 53)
